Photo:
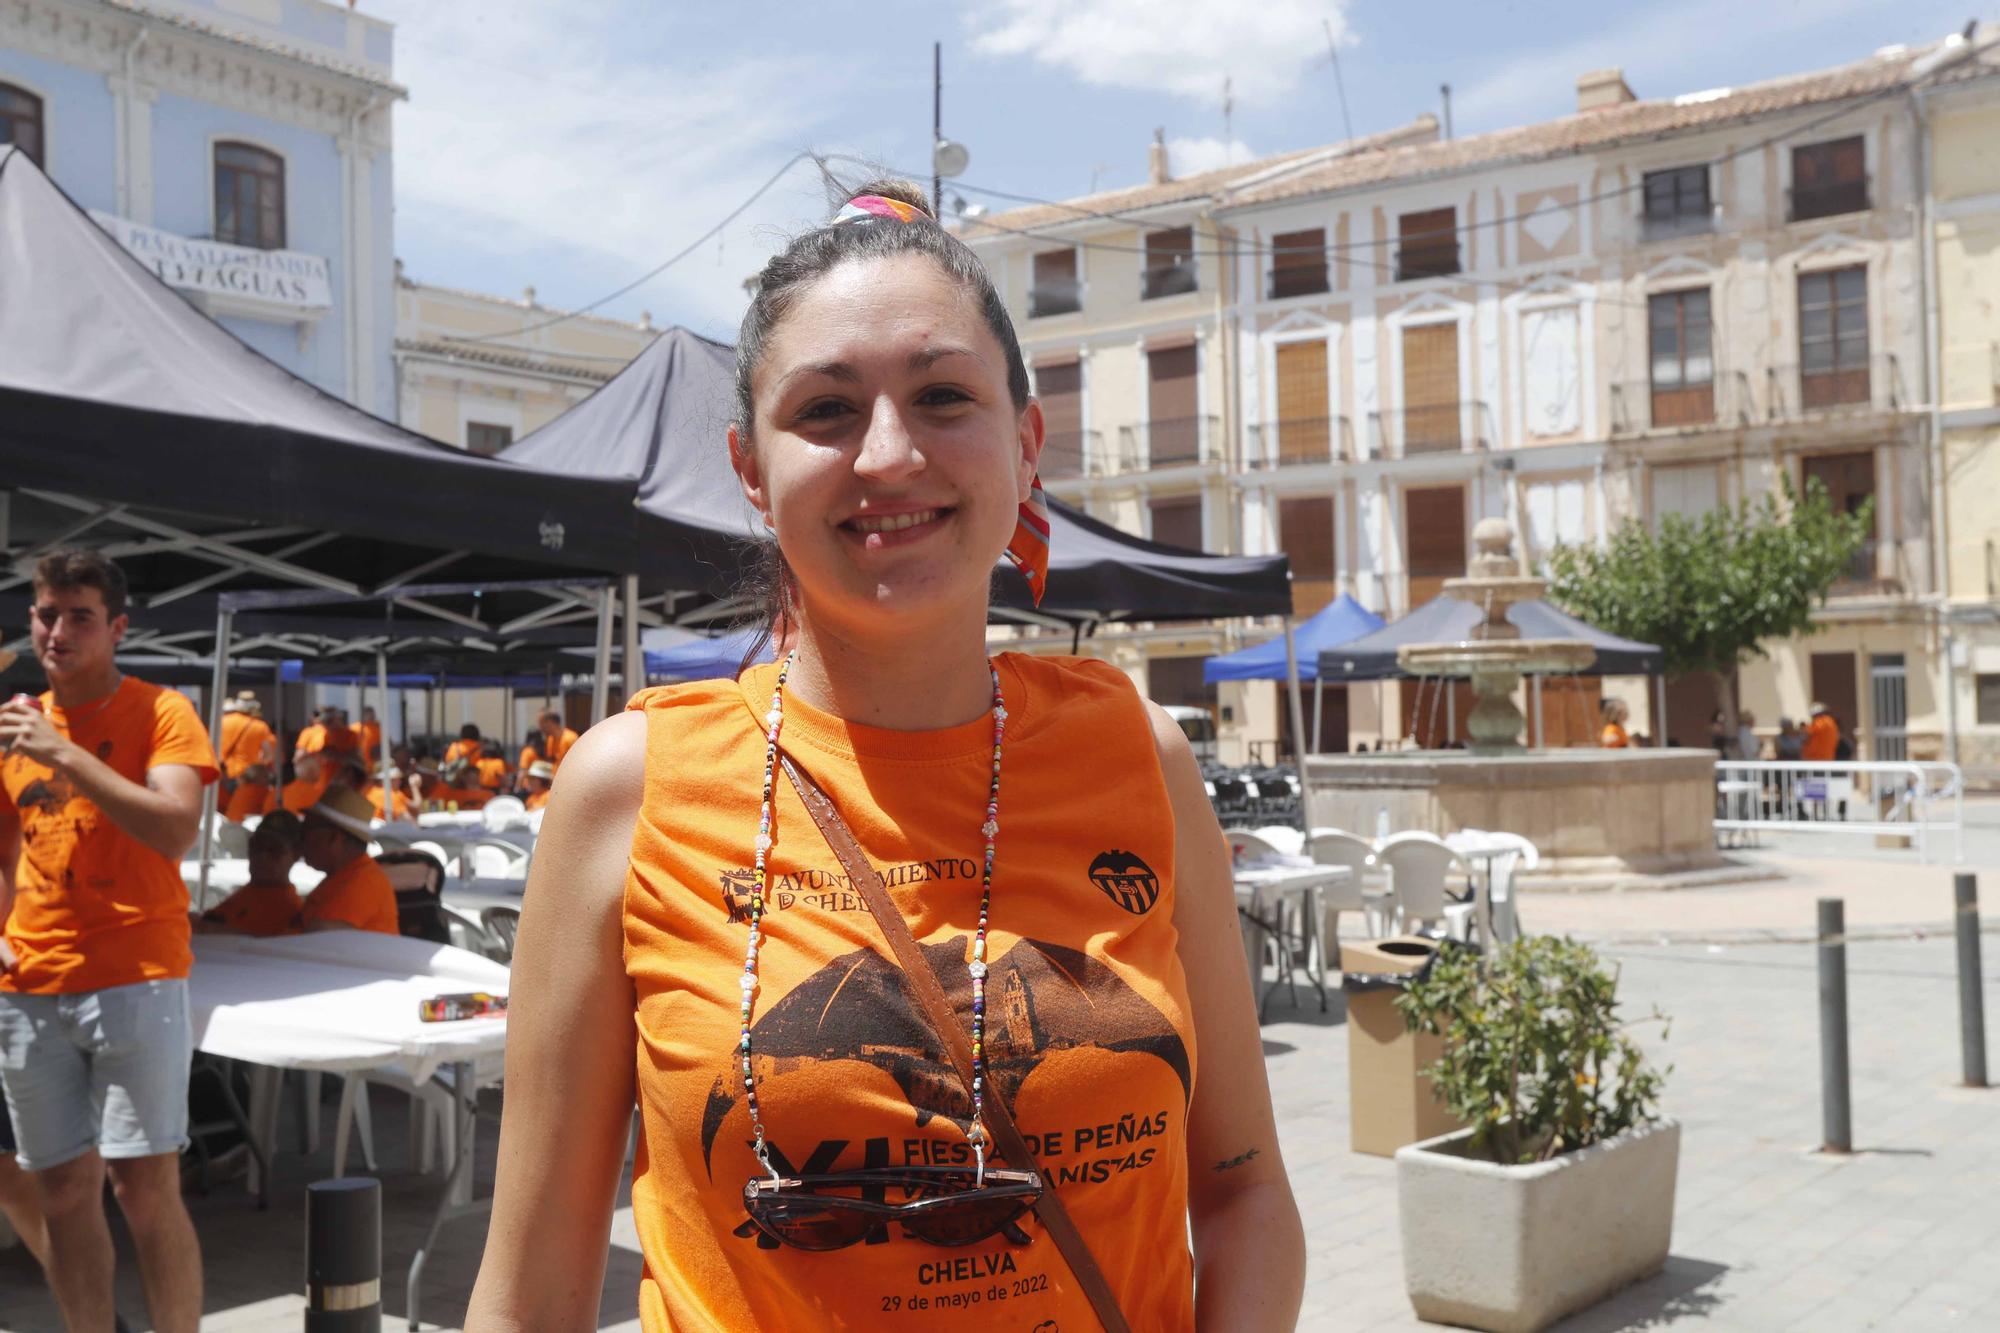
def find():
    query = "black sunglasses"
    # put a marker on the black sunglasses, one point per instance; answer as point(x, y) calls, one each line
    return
point(948, 1205)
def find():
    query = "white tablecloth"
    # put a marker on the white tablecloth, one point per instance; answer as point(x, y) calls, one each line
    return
point(339, 1000)
point(226, 874)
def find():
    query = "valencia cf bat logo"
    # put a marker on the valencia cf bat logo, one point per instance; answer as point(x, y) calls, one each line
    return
point(1126, 880)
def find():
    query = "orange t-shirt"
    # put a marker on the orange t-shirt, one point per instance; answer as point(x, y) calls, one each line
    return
point(358, 894)
point(535, 800)
point(1614, 737)
point(1822, 738)
point(299, 794)
point(244, 737)
point(529, 755)
point(401, 803)
point(312, 739)
point(560, 745)
point(469, 750)
point(492, 772)
point(93, 906)
point(259, 909)
point(1089, 1032)
point(371, 738)
point(249, 799)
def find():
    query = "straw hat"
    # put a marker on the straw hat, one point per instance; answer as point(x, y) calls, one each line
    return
point(542, 768)
point(346, 809)
point(244, 702)
point(1819, 708)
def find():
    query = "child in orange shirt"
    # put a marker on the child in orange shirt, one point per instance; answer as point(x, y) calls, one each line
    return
point(268, 904)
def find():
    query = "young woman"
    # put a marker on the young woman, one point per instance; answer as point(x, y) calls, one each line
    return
point(808, 1156)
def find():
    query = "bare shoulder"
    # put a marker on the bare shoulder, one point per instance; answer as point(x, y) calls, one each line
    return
point(591, 812)
point(1176, 755)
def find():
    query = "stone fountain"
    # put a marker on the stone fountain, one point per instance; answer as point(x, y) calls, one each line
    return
point(1495, 656)
point(1600, 818)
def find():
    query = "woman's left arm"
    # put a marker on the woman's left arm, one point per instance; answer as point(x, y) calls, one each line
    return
point(1249, 1248)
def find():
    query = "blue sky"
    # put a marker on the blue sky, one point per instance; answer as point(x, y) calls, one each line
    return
point(574, 146)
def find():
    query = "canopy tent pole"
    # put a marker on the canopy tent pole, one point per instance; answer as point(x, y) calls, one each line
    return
point(278, 722)
point(634, 663)
point(1319, 710)
point(1660, 709)
point(600, 688)
point(1535, 684)
point(1450, 688)
point(218, 687)
point(382, 726)
point(1298, 720)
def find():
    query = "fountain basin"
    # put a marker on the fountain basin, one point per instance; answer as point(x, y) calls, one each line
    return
point(1600, 819)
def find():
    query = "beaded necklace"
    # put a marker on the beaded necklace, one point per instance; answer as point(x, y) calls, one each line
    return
point(774, 720)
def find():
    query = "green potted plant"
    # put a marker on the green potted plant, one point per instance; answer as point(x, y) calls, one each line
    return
point(1560, 1190)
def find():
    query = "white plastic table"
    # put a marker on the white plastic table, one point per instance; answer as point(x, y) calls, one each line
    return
point(346, 1000)
point(1261, 886)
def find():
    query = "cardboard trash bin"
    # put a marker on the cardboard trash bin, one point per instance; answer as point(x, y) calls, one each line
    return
point(1389, 1098)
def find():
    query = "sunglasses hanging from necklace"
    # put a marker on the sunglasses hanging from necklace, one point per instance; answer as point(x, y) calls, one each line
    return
point(947, 1210)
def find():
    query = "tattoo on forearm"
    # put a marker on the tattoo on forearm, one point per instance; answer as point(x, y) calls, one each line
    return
point(1240, 1159)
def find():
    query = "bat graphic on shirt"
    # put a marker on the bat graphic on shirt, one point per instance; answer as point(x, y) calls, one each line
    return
point(1040, 999)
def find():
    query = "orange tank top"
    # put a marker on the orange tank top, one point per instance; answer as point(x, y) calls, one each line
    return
point(1088, 1032)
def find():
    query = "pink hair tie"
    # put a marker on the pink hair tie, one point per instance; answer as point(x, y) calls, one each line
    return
point(865, 206)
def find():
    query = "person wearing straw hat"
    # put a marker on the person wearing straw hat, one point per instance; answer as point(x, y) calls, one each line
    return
point(355, 895)
point(538, 777)
point(249, 754)
point(268, 904)
point(1822, 734)
point(370, 785)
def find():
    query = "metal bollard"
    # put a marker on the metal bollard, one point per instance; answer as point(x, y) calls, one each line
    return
point(1971, 996)
point(344, 1255)
point(1836, 1120)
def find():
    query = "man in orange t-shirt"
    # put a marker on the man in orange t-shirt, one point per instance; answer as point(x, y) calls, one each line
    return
point(100, 795)
point(370, 735)
point(312, 774)
point(1822, 735)
point(557, 738)
point(268, 904)
point(249, 755)
point(355, 895)
point(469, 745)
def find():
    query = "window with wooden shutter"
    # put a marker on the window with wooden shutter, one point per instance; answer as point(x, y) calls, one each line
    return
point(1683, 367)
point(1173, 428)
point(21, 121)
point(1430, 417)
point(1304, 428)
point(1849, 479)
point(486, 439)
point(1169, 263)
point(1829, 179)
point(249, 196)
point(1055, 289)
point(1298, 263)
point(1059, 388)
point(1177, 521)
point(1305, 534)
point(1434, 537)
point(1833, 337)
point(1427, 244)
point(1677, 194)
point(1179, 682)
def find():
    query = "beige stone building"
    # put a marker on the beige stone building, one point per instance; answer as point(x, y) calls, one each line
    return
point(475, 370)
point(1650, 306)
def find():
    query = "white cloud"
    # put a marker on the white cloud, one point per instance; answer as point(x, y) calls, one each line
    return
point(1186, 47)
point(1191, 157)
point(575, 164)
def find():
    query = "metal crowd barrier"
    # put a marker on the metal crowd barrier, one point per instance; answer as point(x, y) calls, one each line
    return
point(1911, 798)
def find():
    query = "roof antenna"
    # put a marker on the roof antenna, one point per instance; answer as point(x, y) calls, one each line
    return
point(1444, 90)
point(1333, 50)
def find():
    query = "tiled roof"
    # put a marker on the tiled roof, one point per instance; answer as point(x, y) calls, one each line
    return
point(554, 363)
point(537, 309)
point(1203, 185)
point(332, 65)
point(1620, 122)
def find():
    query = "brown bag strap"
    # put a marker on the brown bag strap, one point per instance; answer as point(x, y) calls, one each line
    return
point(924, 982)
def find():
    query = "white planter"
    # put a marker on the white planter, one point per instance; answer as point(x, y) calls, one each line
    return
point(1512, 1249)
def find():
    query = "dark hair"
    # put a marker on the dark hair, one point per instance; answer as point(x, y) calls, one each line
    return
point(469, 732)
point(550, 715)
point(791, 273)
point(68, 568)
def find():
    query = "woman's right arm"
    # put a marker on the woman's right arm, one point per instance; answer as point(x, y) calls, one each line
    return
point(570, 1053)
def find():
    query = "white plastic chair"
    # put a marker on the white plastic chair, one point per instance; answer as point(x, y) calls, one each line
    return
point(1246, 845)
point(493, 858)
point(1500, 891)
point(1337, 847)
point(1288, 840)
point(1417, 864)
point(503, 812)
point(435, 849)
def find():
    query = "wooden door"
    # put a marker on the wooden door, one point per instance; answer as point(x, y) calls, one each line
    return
point(1835, 684)
point(1571, 710)
point(1430, 389)
point(1849, 479)
point(1434, 536)
point(1304, 434)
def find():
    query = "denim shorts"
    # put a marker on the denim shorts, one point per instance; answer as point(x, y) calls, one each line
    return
point(104, 1069)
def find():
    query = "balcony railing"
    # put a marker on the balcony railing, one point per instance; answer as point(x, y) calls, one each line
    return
point(1826, 201)
point(1294, 441)
point(1666, 227)
point(1169, 280)
point(1055, 298)
point(1297, 280)
point(1875, 385)
point(1069, 454)
point(1442, 428)
point(1169, 442)
point(1640, 406)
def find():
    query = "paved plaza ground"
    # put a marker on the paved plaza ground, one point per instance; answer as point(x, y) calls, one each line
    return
point(1768, 1234)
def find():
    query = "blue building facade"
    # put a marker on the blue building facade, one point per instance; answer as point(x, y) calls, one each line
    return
point(241, 148)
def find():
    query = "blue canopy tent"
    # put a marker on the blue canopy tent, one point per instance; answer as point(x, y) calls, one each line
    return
point(1341, 621)
point(704, 659)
